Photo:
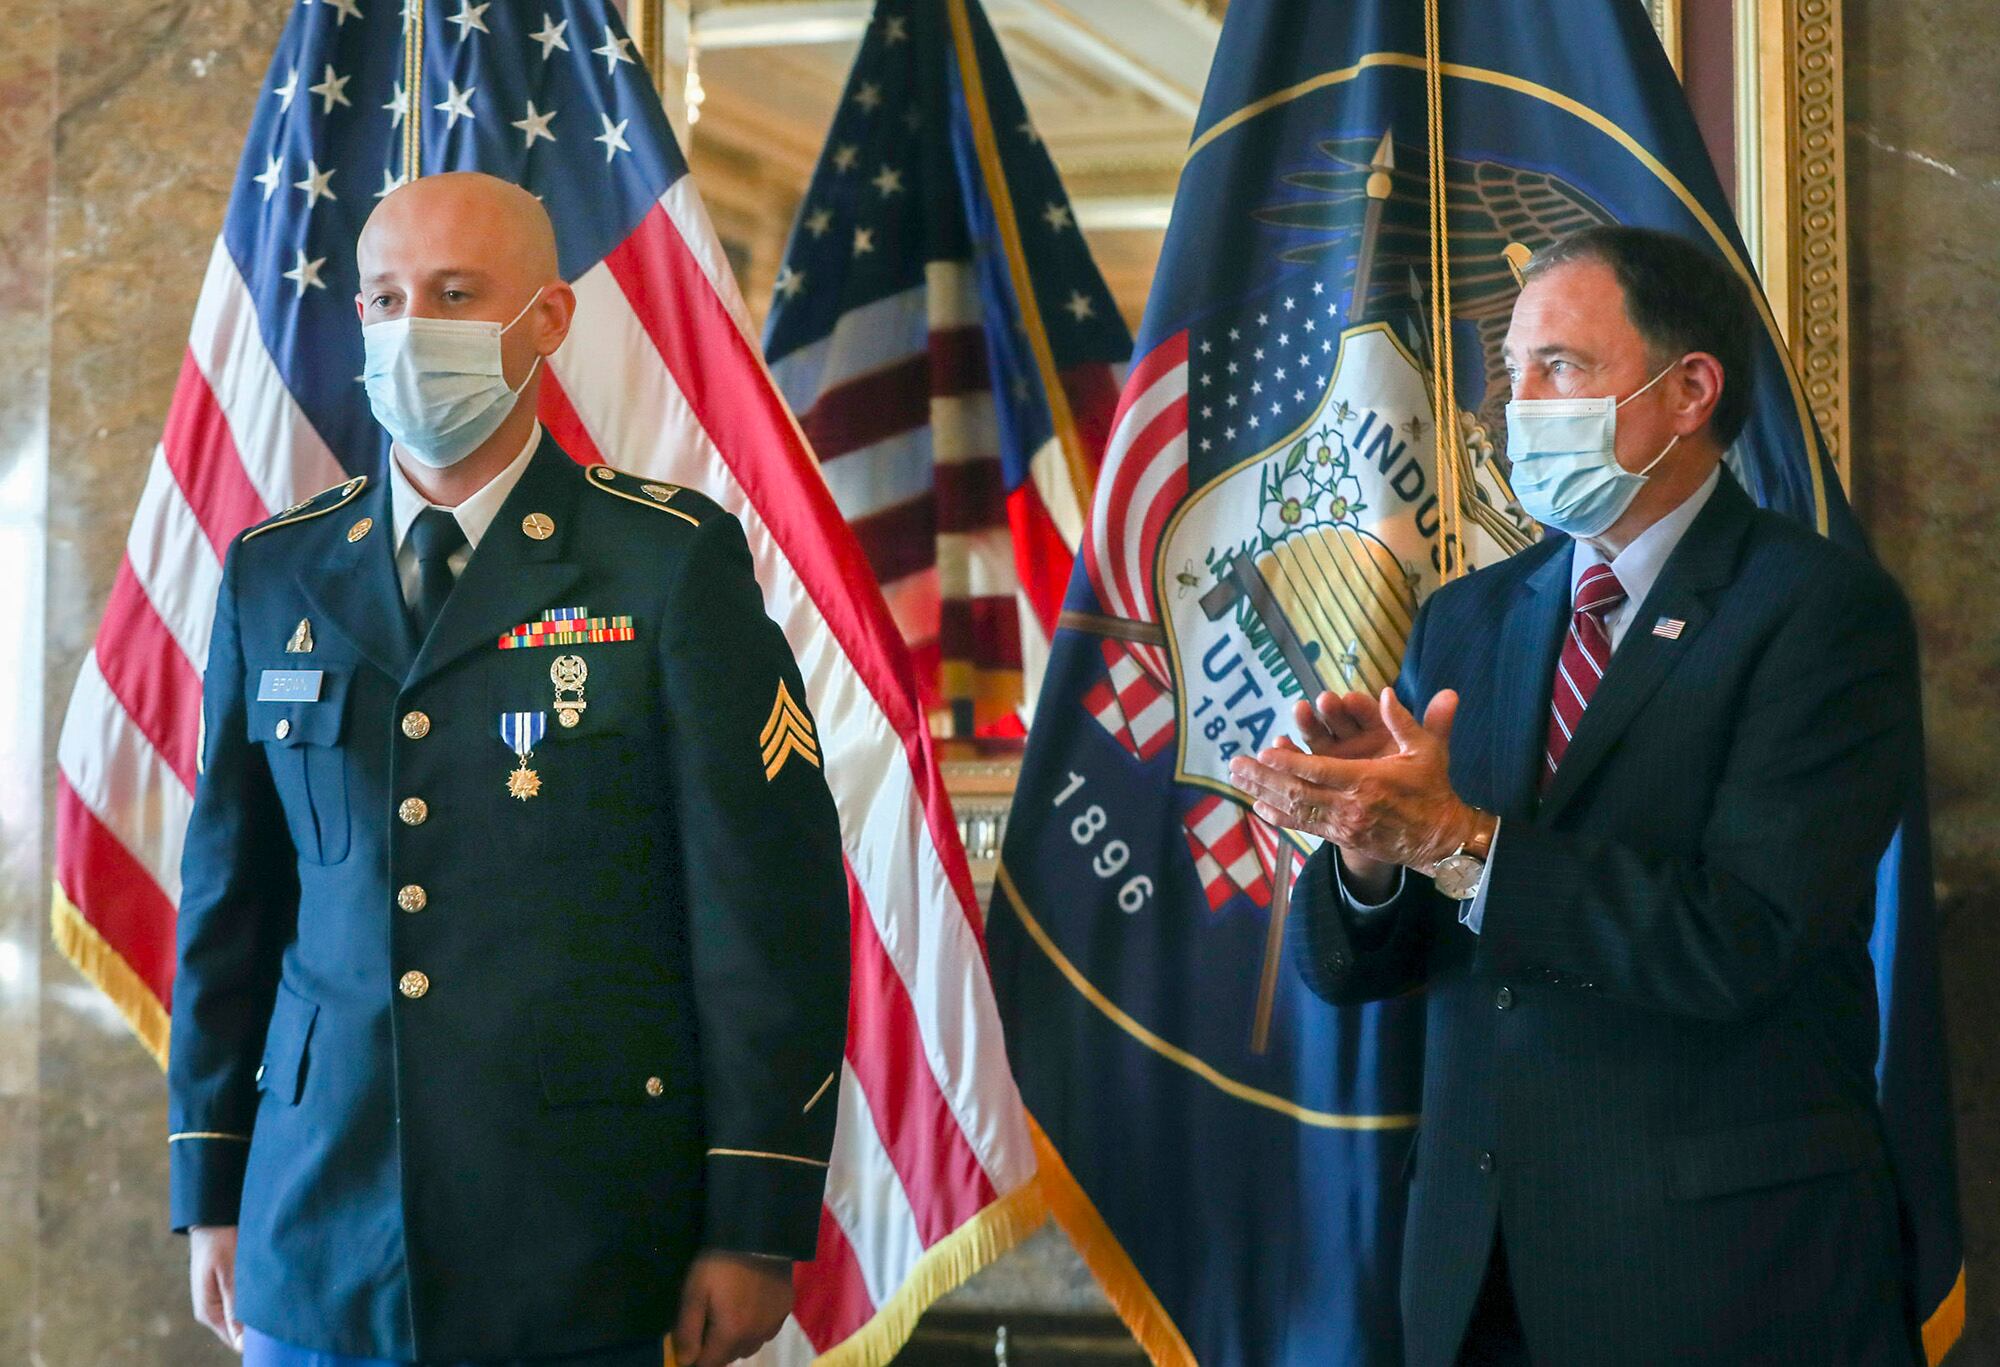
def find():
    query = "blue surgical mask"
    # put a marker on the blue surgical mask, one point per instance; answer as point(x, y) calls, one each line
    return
point(1565, 462)
point(437, 384)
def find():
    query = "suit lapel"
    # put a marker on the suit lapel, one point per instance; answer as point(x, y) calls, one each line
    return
point(354, 585)
point(1530, 640)
point(1704, 561)
point(511, 576)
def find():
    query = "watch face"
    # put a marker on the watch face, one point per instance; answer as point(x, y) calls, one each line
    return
point(1458, 876)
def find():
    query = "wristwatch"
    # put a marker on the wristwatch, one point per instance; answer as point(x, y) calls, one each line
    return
point(1459, 874)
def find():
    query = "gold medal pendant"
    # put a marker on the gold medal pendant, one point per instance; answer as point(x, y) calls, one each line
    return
point(522, 731)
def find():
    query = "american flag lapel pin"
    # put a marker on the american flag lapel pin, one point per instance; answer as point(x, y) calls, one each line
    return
point(1669, 628)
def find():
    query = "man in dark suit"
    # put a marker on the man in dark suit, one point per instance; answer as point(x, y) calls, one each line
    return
point(1629, 855)
point(513, 943)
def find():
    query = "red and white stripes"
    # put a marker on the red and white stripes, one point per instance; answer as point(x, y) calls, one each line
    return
point(1218, 836)
point(897, 402)
point(1586, 653)
point(1129, 703)
point(1143, 480)
point(236, 448)
point(1235, 852)
point(664, 378)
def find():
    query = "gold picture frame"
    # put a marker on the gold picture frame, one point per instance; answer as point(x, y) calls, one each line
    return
point(1790, 175)
point(1801, 196)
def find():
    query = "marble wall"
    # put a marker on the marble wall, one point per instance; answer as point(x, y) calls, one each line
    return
point(120, 125)
point(27, 122)
point(1923, 164)
point(119, 128)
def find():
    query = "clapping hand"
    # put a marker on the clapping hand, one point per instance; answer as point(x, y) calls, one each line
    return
point(1371, 779)
point(1342, 726)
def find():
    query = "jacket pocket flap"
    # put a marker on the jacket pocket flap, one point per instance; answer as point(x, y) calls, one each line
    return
point(616, 1051)
point(1768, 1155)
point(283, 1071)
point(295, 723)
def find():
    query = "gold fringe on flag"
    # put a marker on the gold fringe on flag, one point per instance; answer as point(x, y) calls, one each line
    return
point(944, 1267)
point(1946, 1323)
point(1107, 1259)
point(107, 970)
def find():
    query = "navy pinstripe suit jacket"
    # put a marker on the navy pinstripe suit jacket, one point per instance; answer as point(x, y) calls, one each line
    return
point(1653, 1072)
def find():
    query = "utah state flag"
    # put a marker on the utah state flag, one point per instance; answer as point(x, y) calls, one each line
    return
point(1311, 432)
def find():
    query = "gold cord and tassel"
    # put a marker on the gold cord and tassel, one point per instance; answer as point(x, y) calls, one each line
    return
point(1444, 403)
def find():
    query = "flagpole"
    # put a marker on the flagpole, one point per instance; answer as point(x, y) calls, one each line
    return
point(997, 190)
point(1379, 186)
point(647, 21)
point(1274, 945)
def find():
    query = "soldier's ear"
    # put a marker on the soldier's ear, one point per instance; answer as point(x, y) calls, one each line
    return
point(554, 312)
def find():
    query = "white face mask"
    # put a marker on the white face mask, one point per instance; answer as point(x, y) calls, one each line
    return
point(1565, 460)
point(437, 385)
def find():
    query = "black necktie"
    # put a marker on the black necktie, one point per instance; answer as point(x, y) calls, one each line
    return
point(434, 536)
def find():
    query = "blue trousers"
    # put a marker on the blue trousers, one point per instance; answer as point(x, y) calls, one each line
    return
point(261, 1350)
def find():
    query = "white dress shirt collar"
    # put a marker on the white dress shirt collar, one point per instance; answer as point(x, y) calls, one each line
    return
point(1638, 566)
point(475, 514)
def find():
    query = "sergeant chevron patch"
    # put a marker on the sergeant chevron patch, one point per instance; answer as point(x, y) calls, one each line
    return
point(787, 733)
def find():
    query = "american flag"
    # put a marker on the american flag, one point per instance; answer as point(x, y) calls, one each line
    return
point(932, 1169)
point(955, 356)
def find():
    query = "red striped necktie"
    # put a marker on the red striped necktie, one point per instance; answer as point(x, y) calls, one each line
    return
point(1585, 655)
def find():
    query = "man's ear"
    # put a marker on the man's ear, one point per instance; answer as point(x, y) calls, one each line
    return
point(554, 312)
point(1698, 388)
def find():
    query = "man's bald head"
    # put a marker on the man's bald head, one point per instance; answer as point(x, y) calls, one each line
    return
point(469, 246)
point(462, 217)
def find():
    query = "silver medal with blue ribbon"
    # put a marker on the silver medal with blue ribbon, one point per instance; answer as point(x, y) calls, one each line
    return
point(522, 732)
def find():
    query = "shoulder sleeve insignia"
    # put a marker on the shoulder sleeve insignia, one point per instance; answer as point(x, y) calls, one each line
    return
point(321, 503)
point(651, 493)
point(787, 733)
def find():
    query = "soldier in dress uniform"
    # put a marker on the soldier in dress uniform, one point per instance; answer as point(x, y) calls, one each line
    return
point(512, 983)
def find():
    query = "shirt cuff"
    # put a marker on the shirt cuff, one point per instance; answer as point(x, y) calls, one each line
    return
point(1365, 913)
point(1473, 914)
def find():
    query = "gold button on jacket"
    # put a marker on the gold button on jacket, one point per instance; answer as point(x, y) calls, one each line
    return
point(553, 968)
